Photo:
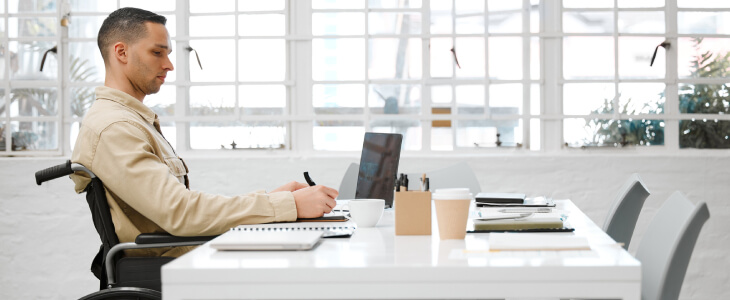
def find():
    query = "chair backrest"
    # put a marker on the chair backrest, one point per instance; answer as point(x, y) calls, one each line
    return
point(348, 185)
point(624, 213)
point(459, 175)
point(667, 246)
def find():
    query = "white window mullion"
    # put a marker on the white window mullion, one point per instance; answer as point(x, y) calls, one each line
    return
point(5, 117)
point(614, 101)
point(671, 104)
point(526, 76)
point(552, 62)
point(182, 97)
point(425, 76)
point(64, 92)
point(366, 110)
point(301, 102)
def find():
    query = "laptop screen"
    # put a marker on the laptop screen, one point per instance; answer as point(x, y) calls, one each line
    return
point(378, 166)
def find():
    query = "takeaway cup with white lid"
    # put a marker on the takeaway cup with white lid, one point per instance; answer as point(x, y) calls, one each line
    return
point(452, 212)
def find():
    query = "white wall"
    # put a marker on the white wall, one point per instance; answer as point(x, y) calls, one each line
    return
point(48, 241)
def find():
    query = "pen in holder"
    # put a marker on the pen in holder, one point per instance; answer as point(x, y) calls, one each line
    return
point(412, 213)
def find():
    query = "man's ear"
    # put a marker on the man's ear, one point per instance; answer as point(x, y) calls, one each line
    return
point(120, 52)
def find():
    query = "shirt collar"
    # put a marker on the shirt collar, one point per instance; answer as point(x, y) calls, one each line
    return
point(105, 92)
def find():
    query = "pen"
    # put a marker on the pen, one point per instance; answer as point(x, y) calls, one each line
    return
point(309, 180)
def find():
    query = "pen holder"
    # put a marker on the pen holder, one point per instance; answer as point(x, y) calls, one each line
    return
point(412, 213)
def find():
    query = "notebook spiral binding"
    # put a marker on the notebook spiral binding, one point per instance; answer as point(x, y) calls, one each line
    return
point(329, 231)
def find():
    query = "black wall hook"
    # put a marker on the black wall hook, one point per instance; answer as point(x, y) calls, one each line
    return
point(664, 45)
point(190, 49)
point(43, 61)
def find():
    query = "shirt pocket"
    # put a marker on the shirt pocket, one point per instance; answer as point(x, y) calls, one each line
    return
point(176, 166)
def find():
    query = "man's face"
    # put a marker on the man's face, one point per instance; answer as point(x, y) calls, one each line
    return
point(149, 59)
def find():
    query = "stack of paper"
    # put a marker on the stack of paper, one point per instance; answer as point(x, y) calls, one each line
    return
point(536, 241)
point(496, 221)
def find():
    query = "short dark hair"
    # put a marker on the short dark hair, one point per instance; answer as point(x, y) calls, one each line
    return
point(126, 25)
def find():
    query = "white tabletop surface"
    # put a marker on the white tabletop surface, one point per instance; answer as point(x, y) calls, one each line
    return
point(376, 264)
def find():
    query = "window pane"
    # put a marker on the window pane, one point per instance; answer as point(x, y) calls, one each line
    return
point(34, 136)
point(262, 25)
point(338, 23)
point(704, 99)
point(505, 22)
point(470, 99)
point(641, 22)
point(483, 133)
point(262, 99)
point(470, 54)
point(535, 58)
point(395, 99)
point(217, 58)
point(704, 134)
point(84, 26)
point(207, 6)
point(86, 64)
point(613, 133)
point(535, 18)
point(470, 24)
point(500, 5)
point(32, 27)
point(212, 26)
point(442, 59)
point(703, 3)
point(33, 102)
point(394, 4)
point(262, 60)
point(505, 58)
point(587, 22)
point(171, 26)
point(441, 17)
point(332, 99)
point(587, 98)
point(588, 4)
point(638, 4)
point(338, 59)
point(81, 100)
point(641, 98)
point(338, 135)
point(37, 6)
point(410, 129)
point(703, 22)
point(441, 96)
point(394, 58)
point(535, 139)
point(93, 6)
point(394, 23)
point(212, 100)
point(245, 135)
point(163, 102)
point(634, 57)
point(535, 102)
point(704, 57)
point(157, 5)
point(169, 132)
point(258, 5)
point(2, 107)
point(505, 99)
point(442, 138)
point(329, 4)
point(588, 58)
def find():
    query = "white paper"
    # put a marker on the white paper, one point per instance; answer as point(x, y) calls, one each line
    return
point(536, 241)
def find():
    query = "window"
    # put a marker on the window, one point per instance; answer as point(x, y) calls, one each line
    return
point(450, 75)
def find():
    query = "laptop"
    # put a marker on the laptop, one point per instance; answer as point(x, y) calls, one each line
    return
point(378, 166)
point(266, 240)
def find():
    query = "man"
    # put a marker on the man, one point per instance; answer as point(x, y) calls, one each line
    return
point(146, 182)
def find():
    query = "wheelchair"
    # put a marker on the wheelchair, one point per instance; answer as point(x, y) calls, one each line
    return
point(120, 277)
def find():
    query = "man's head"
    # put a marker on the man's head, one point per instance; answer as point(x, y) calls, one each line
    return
point(135, 46)
point(125, 25)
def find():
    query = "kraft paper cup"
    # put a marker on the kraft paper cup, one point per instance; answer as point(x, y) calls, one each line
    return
point(452, 212)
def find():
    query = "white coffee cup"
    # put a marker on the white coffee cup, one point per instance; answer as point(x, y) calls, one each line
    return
point(365, 212)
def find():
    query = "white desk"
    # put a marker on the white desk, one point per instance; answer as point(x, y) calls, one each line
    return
point(376, 264)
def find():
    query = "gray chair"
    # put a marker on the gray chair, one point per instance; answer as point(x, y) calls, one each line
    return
point(667, 245)
point(459, 175)
point(624, 213)
point(348, 185)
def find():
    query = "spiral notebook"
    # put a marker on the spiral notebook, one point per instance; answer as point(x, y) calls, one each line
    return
point(330, 229)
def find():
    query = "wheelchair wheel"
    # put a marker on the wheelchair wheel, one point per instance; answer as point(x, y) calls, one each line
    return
point(124, 293)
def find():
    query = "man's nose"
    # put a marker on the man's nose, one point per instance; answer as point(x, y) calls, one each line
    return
point(168, 64)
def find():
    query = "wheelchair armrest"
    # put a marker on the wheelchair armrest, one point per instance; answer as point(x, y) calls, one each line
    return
point(164, 238)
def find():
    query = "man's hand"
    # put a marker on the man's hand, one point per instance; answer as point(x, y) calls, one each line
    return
point(291, 186)
point(314, 201)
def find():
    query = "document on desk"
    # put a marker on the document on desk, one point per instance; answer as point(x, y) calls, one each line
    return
point(491, 220)
point(536, 241)
point(266, 240)
point(329, 229)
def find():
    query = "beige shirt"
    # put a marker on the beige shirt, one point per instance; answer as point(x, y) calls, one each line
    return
point(119, 140)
